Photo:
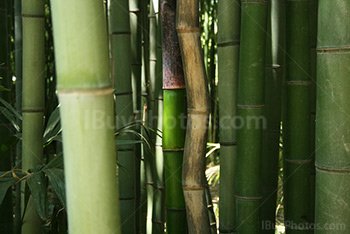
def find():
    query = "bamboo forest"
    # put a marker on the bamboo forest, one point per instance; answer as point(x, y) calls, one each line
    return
point(175, 116)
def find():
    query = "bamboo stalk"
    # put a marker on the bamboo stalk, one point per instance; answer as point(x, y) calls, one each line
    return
point(250, 109)
point(297, 161)
point(136, 38)
point(120, 33)
point(87, 115)
point(272, 113)
point(173, 113)
point(228, 62)
point(33, 105)
point(332, 124)
point(313, 42)
point(6, 219)
point(155, 90)
point(198, 109)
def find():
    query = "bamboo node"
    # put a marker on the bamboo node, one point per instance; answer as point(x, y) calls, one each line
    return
point(233, 143)
point(298, 82)
point(297, 161)
point(33, 16)
point(229, 43)
point(173, 150)
point(192, 188)
point(248, 198)
point(329, 169)
point(88, 92)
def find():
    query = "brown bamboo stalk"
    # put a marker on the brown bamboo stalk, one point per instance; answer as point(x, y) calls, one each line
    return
point(193, 179)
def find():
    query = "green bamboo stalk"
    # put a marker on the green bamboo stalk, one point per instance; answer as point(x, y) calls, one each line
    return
point(198, 110)
point(33, 19)
point(173, 113)
point(120, 36)
point(250, 110)
point(18, 73)
point(87, 115)
point(272, 113)
point(6, 219)
point(313, 42)
point(332, 124)
point(297, 161)
point(136, 56)
point(228, 61)
point(155, 92)
point(147, 114)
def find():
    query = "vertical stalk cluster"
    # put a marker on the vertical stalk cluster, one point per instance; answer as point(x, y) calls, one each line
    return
point(228, 62)
point(173, 116)
point(297, 161)
point(87, 114)
point(33, 98)
point(272, 113)
point(198, 109)
point(120, 44)
point(332, 126)
point(250, 109)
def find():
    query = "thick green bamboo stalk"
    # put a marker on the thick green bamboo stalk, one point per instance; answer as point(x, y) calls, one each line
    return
point(228, 60)
point(332, 124)
point(272, 113)
point(18, 74)
point(120, 36)
point(297, 161)
point(136, 56)
point(250, 110)
point(198, 109)
point(173, 116)
point(313, 42)
point(33, 98)
point(155, 92)
point(6, 219)
point(87, 115)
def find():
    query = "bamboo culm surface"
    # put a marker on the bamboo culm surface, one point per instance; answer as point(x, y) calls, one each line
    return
point(198, 109)
point(332, 120)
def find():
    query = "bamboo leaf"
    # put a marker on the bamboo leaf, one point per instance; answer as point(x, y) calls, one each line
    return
point(56, 178)
point(2, 88)
point(10, 117)
point(52, 123)
point(56, 162)
point(10, 108)
point(38, 188)
point(5, 184)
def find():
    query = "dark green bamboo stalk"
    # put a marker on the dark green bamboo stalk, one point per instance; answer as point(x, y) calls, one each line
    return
point(228, 61)
point(6, 219)
point(173, 116)
point(136, 56)
point(87, 115)
point(332, 124)
point(250, 110)
point(297, 161)
point(33, 99)
point(120, 36)
point(313, 42)
point(198, 110)
point(155, 90)
point(272, 113)
point(18, 74)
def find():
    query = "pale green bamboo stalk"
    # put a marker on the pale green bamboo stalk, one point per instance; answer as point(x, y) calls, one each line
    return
point(87, 115)
point(120, 39)
point(33, 99)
